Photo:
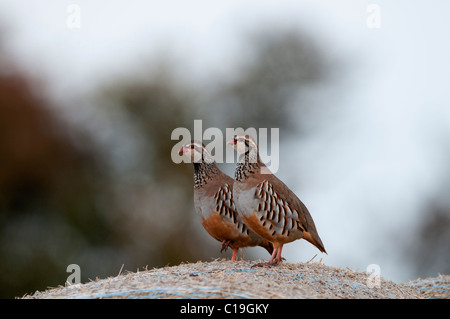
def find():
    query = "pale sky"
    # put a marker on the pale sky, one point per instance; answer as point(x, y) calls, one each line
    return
point(367, 176)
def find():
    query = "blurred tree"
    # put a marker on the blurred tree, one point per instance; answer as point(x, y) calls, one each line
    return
point(50, 202)
point(428, 249)
point(432, 251)
point(279, 66)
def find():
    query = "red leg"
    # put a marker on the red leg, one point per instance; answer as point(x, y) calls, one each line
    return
point(274, 255)
point(272, 261)
point(235, 252)
point(278, 258)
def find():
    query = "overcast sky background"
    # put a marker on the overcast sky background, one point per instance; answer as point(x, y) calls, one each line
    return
point(377, 165)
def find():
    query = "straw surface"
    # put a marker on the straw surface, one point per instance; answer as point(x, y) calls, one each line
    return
point(226, 279)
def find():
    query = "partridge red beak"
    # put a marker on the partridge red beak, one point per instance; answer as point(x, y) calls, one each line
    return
point(182, 150)
point(231, 142)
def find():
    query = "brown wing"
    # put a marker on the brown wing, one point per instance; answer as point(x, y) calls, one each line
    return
point(284, 212)
point(275, 212)
point(226, 208)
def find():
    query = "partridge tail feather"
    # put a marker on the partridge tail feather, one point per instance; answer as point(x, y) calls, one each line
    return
point(315, 240)
point(268, 246)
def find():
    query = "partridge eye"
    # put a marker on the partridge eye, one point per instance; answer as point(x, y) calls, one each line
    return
point(192, 146)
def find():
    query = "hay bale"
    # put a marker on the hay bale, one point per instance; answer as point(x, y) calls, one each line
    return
point(226, 279)
point(432, 288)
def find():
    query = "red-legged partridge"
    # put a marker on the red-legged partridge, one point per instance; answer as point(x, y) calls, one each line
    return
point(266, 204)
point(213, 198)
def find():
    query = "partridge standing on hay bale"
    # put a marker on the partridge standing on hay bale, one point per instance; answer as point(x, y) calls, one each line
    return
point(266, 204)
point(213, 198)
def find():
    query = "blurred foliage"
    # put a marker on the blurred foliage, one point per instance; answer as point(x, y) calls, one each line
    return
point(428, 250)
point(269, 89)
point(49, 196)
point(432, 252)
